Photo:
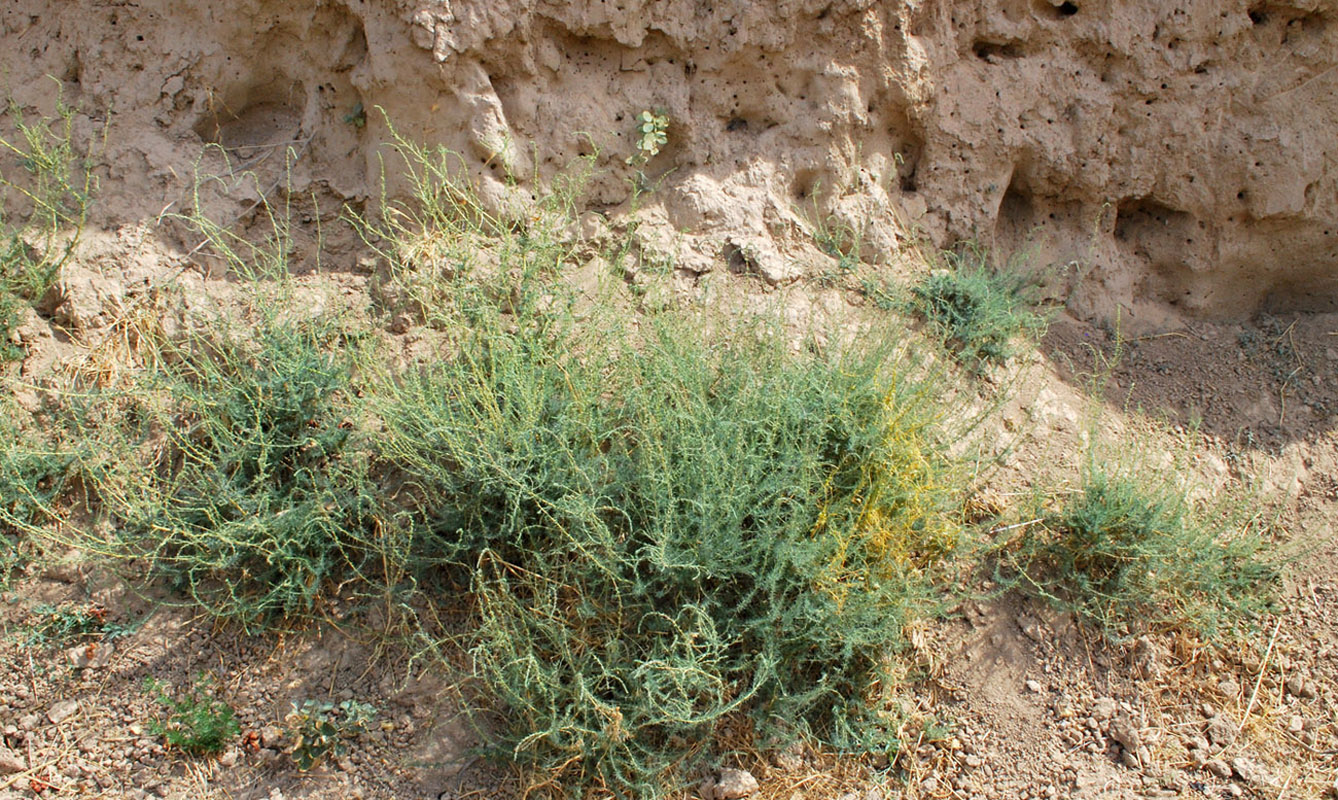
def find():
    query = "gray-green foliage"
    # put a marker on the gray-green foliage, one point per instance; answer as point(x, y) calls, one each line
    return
point(1131, 552)
point(45, 205)
point(665, 528)
point(977, 310)
point(238, 479)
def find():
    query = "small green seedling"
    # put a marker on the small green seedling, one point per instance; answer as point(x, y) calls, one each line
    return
point(197, 723)
point(321, 729)
point(651, 135)
point(49, 624)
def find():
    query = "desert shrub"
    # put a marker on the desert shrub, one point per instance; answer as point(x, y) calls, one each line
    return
point(977, 310)
point(236, 477)
point(46, 201)
point(35, 472)
point(442, 240)
point(664, 529)
point(1130, 552)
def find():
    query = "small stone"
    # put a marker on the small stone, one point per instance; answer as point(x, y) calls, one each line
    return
point(11, 762)
point(28, 722)
point(59, 712)
point(228, 759)
point(1218, 768)
point(270, 736)
point(1104, 708)
point(1034, 686)
point(734, 784)
point(1246, 770)
point(94, 655)
point(1296, 724)
point(1295, 685)
point(974, 761)
point(1221, 731)
point(1229, 688)
point(1124, 731)
point(1234, 791)
point(1128, 759)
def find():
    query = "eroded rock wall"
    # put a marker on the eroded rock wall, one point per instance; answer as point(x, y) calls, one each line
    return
point(1159, 157)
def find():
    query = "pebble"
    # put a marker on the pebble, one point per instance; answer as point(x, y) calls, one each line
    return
point(1296, 724)
point(1124, 731)
point(1221, 731)
point(1217, 767)
point(1034, 686)
point(59, 712)
point(11, 762)
point(270, 736)
point(732, 784)
point(1246, 770)
point(1104, 708)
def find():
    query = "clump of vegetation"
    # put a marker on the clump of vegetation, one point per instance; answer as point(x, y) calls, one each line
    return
point(1130, 552)
point(663, 534)
point(45, 205)
point(652, 133)
point(662, 527)
point(60, 624)
point(197, 722)
point(322, 729)
point(977, 311)
point(34, 473)
point(235, 476)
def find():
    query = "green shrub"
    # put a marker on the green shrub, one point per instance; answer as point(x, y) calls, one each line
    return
point(35, 473)
point(976, 310)
point(1130, 552)
point(45, 202)
point(236, 477)
point(197, 722)
point(665, 528)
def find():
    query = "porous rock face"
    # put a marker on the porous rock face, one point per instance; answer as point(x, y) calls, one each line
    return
point(1162, 156)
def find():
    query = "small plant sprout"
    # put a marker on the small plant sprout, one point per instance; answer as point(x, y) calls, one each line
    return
point(321, 729)
point(197, 722)
point(651, 135)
